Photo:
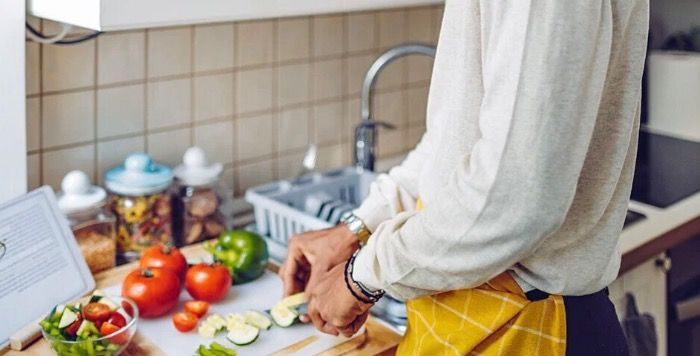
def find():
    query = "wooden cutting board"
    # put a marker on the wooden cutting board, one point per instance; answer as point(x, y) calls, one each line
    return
point(260, 295)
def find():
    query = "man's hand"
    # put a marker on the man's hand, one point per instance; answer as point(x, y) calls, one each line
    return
point(313, 253)
point(332, 308)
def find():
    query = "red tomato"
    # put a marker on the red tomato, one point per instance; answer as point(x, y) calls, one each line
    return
point(74, 326)
point(108, 328)
point(184, 321)
point(209, 283)
point(197, 307)
point(164, 257)
point(117, 319)
point(128, 308)
point(154, 290)
point(96, 312)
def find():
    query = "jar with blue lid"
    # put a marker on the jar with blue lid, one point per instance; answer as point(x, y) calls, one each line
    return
point(138, 197)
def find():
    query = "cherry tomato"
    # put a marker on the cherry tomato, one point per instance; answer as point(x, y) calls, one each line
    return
point(197, 307)
point(74, 326)
point(108, 328)
point(117, 319)
point(154, 290)
point(164, 257)
point(128, 308)
point(209, 283)
point(96, 312)
point(184, 321)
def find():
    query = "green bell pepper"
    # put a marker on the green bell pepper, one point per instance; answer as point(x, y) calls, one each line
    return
point(244, 253)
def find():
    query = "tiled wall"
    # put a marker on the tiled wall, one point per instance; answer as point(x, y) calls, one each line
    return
point(252, 94)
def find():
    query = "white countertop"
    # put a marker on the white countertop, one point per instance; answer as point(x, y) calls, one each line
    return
point(658, 221)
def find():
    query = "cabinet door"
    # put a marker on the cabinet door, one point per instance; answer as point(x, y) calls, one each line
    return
point(647, 282)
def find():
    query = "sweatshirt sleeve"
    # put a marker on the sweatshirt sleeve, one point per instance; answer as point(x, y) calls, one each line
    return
point(397, 191)
point(544, 69)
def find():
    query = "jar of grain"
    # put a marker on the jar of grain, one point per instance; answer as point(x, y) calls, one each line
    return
point(198, 196)
point(139, 198)
point(94, 227)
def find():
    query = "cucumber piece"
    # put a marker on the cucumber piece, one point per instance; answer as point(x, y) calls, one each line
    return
point(68, 317)
point(96, 296)
point(206, 331)
point(243, 334)
point(57, 312)
point(257, 319)
point(216, 321)
point(109, 303)
point(295, 300)
point(87, 328)
point(283, 316)
point(234, 320)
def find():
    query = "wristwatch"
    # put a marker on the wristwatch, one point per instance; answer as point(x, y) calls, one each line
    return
point(357, 227)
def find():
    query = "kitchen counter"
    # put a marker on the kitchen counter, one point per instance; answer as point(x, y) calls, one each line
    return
point(662, 229)
point(378, 339)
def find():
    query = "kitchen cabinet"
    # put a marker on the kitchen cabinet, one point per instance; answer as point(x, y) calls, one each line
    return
point(647, 282)
point(112, 15)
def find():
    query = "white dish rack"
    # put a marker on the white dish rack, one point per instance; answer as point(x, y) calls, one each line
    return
point(279, 207)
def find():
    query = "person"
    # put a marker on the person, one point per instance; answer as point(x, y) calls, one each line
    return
point(500, 228)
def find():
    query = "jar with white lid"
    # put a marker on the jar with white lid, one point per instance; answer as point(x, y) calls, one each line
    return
point(138, 197)
point(84, 205)
point(197, 198)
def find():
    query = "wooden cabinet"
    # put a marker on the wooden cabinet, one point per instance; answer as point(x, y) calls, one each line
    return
point(647, 282)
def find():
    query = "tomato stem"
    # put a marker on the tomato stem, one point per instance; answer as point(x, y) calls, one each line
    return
point(147, 273)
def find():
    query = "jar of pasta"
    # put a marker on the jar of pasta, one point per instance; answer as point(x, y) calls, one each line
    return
point(138, 197)
point(93, 225)
point(197, 198)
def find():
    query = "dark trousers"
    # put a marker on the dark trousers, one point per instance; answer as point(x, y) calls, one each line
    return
point(592, 328)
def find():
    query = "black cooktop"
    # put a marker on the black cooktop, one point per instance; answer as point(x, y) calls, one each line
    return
point(668, 169)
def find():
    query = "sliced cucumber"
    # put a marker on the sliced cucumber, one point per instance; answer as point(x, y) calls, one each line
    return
point(206, 331)
point(96, 296)
point(67, 318)
point(234, 320)
point(87, 328)
point(109, 303)
point(295, 300)
point(283, 316)
point(257, 319)
point(57, 312)
point(243, 334)
point(215, 321)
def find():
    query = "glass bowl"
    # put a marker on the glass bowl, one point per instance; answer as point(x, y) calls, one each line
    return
point(107, 345)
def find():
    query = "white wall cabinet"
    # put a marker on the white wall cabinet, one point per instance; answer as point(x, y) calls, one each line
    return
point(647, 282)
point(112, 15)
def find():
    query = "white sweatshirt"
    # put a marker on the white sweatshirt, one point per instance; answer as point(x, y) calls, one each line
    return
point(528, 157)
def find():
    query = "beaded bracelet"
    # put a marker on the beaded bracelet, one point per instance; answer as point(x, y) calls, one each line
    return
point(370, 297)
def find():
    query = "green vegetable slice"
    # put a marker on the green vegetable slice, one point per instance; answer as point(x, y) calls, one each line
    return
point(257, 319)
point(243, 334)
point(283, 316)
point(68, 317)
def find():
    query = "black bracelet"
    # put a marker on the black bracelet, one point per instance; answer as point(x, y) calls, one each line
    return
point(347, 284)
point(371, 296)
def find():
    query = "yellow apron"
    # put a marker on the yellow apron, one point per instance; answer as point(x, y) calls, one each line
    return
point(495, 318)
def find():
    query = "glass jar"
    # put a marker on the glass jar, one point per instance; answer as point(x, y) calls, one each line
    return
point(94, 227)
point(139, 198)
point(197, 199)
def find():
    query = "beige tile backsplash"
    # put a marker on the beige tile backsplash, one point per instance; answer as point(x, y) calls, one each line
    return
point(253, 94)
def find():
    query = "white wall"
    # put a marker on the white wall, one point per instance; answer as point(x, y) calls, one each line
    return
point(13, 164)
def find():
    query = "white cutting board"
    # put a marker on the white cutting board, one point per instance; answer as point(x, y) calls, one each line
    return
point(262, 294)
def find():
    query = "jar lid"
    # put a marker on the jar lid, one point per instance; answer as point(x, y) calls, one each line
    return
point(78, 194)
point(195, 169)
point(139, 175)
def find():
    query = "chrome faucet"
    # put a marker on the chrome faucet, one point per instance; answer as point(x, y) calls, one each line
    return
point(366, 130)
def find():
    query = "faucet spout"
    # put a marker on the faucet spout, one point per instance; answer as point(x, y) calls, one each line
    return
point(366, 131)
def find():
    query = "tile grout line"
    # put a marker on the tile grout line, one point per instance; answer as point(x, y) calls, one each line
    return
point(192, 86)
point(95, 165)
point(234, 111)
point(275, 97)
point(146, 99)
